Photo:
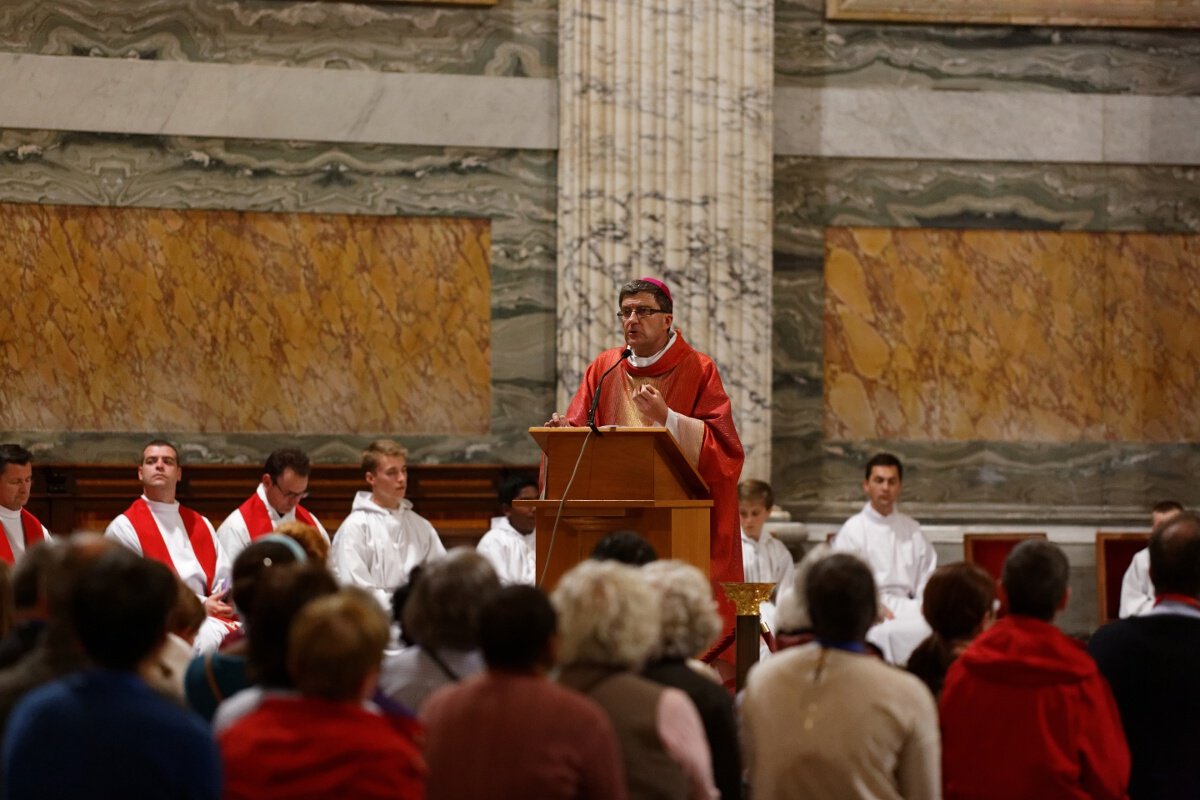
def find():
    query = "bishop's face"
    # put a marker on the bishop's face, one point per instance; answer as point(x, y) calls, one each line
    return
point(646, 326)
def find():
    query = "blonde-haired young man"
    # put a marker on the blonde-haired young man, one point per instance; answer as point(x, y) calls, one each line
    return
point(383, 538)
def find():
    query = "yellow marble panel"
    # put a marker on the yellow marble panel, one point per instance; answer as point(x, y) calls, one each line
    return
point(949, 335)
point(1153, 374)
point(219, 321)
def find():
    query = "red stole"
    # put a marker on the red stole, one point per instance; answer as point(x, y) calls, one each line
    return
point(31, 531)
point(155, 547)
point(258, 519)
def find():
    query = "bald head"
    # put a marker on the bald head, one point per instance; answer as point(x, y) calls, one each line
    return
point(1175, 555)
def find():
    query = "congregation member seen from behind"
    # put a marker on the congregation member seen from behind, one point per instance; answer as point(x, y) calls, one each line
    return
point(1152, 663)
point(279, 595)
point(112, 735)
point(211, 678)
point(610, 621)
point(830, 721)
point(324, 741)
point(57, 651)
point(959, 604)
point(690, 624)
point(441, 617)
point(1025, 712)
point(511, 733)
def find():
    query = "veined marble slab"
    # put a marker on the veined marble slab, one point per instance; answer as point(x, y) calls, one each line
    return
point(811, 50)
point(266, 102)
point(517, 38)
point(132, 96)
point(986, 126)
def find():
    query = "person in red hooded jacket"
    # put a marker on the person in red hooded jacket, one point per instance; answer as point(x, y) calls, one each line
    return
point(1024, 710)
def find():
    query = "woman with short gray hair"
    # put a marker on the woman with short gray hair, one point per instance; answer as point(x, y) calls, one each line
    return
point(690, 623)
point(609, 621)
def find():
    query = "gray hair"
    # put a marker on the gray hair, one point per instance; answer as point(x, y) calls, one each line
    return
point(792, 612)
point(444, 608)
point(690, 621)
point(607, 614)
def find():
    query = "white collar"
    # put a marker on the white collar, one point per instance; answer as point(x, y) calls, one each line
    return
point(642, 363)
point(9, 514)
point(261, 491)
point(156, 505)
point(875, 516)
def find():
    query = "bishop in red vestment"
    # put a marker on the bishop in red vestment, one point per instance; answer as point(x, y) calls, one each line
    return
point(664, 381)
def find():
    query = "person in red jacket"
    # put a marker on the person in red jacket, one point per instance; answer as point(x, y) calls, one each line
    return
point(1024, 711)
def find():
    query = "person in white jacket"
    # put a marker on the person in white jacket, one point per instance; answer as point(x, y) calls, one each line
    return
point(383, 538)
point(510, 544)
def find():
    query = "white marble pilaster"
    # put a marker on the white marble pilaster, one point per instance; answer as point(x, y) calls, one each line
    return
point(665, 147)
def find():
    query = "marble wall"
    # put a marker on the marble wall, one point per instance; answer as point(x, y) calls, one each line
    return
point(515, 190)
point(817, 476)
point(1011, 336)
point(1099, 482)
point(207, 322)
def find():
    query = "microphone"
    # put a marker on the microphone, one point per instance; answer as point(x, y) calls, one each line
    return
point(591, 418)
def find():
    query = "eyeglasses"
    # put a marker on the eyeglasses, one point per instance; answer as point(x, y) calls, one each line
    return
point(292, 495)
point(641, 311)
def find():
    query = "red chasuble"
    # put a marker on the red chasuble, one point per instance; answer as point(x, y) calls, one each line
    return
point(258, 519)
point(153, 545)
point(689, 382)
point(31, 531)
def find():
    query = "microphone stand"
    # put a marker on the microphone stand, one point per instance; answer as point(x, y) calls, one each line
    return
point(591, 417)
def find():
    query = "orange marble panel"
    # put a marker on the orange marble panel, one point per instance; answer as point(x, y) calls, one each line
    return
point(219, 321)
point(950, 335)
point(1153, 373)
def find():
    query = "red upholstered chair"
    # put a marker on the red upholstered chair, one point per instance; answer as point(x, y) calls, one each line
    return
point(1114, 551)
point(989, 550)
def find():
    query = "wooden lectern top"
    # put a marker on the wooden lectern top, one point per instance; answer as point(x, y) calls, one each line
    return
point(622, 463)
